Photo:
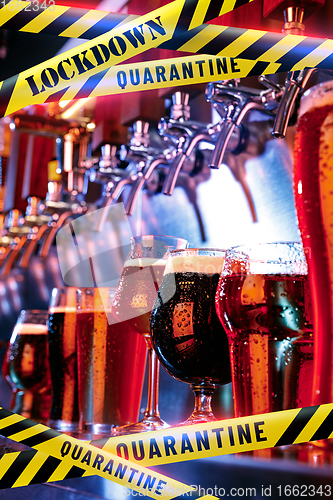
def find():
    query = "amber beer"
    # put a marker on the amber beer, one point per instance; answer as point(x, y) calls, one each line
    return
point(63, 367)
point(264, 313)
point(313, 186)
point(111, 363)
point(136, 292)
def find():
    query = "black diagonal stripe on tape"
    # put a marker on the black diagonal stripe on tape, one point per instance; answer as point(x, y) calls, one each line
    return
point(3, 412)
point(297, 425)
point(74, 472)
point(213, 10)
point(176, 43)
point(20, 19)
point(103, 26)
point(46, 470)
point(325, 429)
point(327, 63)
point(57, 95)
point(90, 84)
point(63, 22)
point(6, 92)
point(12, 429)
point(240, 3)
point(297, 53)
point(256, 49)
point(258, 68)
point(186, 16)
point(42, 437)
point(221, 41)
point(16, 469)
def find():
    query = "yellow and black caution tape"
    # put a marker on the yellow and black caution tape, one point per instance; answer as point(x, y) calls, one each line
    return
point(56, 456)
point(89, 70)
point(79, 71)
point(47, 18)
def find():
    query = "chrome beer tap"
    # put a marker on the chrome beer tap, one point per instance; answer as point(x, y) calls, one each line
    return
point(233, 103)
point(148, 158)
point(183, 135)
point(296, 80)
point(113, 178)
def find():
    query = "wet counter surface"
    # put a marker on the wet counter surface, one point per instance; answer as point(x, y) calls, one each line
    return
point(286, 472)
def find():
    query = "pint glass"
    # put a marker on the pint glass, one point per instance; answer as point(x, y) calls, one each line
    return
point(111, 365)
point(263, 303)
point(63, 360)
point(313, 185)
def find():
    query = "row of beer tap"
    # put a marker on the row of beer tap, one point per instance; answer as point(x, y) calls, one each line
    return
point(137, 166)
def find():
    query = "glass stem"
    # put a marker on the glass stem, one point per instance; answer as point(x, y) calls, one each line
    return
point(203, 402)
point(153, 381)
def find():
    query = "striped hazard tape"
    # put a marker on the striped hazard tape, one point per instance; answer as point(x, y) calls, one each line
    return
point(94, 68)
point(81, 69)
point(72, 22)
point(56, 456)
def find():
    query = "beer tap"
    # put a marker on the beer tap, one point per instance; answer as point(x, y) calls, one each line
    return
point(147, 158)
point(183, 134)
point(296, 80)
point(141, 159)
point(233, 103)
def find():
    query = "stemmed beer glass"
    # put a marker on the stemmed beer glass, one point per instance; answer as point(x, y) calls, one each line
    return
point(132, 305)
point(263, 301)
point(187, 335)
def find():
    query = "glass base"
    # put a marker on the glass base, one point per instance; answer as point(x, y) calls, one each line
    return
point(70, 428)
point(198, 417)
point(147, 424)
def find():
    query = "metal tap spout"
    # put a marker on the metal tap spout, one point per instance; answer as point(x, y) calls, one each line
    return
point(233, 103)
point(114, 193)
point(295, 84)
point(140, 181)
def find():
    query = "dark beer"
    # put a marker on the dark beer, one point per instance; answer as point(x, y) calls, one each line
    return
point(262, 313)
point(63, 367)
point(136, 292)
point(187, 334)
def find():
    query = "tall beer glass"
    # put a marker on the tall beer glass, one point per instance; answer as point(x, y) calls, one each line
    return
point(264, 303)
point(63, 360)
point(26, 366)
point(187, 335)
point(132, 305)
point(313, 187)
point(111, 365)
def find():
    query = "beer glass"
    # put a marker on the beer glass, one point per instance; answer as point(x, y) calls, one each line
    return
point(313, 187)
point(263, 301)
point(63, 360)
point(111, 365)
point(132, 305)
point(26, 366)
point(187, 335)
